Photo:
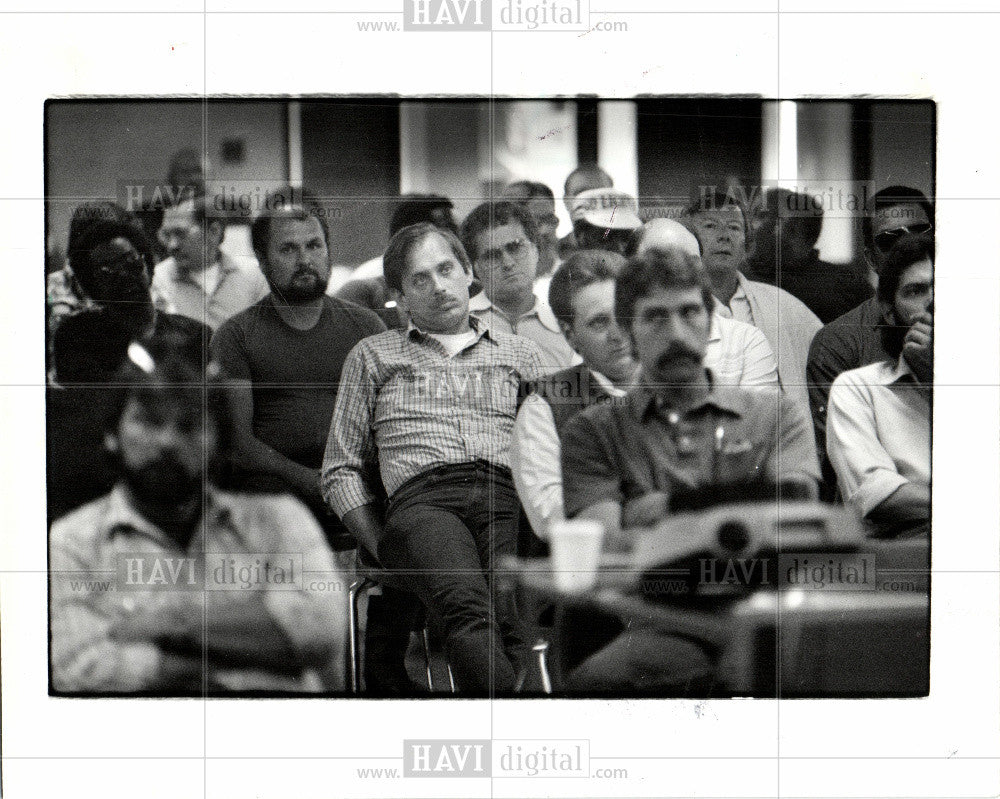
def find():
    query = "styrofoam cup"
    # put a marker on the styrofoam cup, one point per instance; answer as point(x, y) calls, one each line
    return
point(575, 545)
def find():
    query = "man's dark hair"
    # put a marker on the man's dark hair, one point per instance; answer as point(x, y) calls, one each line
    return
point(596, 175)
point(97, 223)
point(395, 262)
point(414, 208)
point(172, 379)
point(714, 200)
point(490, 215)
point(668, 268)
point(285, 203)
point(886, 198)
point(88, 347)
point(798, 210)
point(904, 253)
point(580, 270)
point(521, 191)
point(593, 237)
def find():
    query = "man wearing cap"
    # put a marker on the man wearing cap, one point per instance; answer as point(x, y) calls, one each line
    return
point(500, 239)
point(583, 178)
point(720, 223)
point(604, 219)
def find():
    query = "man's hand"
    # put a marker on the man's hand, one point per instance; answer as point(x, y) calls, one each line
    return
point(918, 347)
point(645, 511)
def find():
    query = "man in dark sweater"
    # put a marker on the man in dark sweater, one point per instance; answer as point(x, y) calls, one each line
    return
point(282, 357)
point(785, 255)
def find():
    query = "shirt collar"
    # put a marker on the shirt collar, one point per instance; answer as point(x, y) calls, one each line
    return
point(644, 399)
point(606, 385)
point(714, 334)
point(480, 328)
point(900, 373)
point(121, 515)
point(540, 310)
point(224, 262)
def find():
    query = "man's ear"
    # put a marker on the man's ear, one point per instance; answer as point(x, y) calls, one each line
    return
point(397, 297)
point(111, 443)
point(567, 331)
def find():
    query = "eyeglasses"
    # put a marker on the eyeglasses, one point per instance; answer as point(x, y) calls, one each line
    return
point(885, 239)
point(516, 249)
point(123, 265)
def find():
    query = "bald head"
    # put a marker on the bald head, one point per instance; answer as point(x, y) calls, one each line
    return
point(663, 234)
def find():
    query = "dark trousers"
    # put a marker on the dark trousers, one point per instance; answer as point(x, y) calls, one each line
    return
point(445, 530)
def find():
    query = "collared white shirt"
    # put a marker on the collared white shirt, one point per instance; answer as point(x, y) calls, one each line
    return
point(739, 354)
point(538, 324)
point(240, 284)
point(785, 321)
point(878, 433)
point(89, 544)
point(738, 307)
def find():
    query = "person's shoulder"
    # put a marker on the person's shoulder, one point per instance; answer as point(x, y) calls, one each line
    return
point(249, 316)
point(871, 374)
point(78, 530)
point(363, 317)
point(599, 417)
point(734, 329)
point(787, 301)
point(164, 271)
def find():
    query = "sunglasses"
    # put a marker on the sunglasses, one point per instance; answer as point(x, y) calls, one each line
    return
point(124, 265)
point(885, 239)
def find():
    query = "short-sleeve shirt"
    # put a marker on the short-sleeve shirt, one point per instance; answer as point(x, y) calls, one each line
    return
point(878, 433)
point(621, 452)
point(295, 374)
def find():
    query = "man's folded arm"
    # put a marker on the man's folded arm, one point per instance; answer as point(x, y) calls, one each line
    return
point(350, 457)
point(866, 473)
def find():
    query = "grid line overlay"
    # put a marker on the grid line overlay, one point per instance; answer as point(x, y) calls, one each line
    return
point(205, 13)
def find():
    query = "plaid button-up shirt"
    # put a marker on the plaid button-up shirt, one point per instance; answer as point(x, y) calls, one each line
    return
point(404, 400)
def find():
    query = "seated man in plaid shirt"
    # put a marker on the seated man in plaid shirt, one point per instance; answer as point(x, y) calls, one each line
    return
point(436, 403)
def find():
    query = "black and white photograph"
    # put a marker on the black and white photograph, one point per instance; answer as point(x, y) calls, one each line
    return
point(499, 398)
point(343, 381)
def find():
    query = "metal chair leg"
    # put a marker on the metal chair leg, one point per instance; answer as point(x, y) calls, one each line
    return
point(425, 636)
point(451, 677)
point(541, 648)
point(353, 627)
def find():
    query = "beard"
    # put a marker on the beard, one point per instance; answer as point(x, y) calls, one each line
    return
point(304, 286)
point(163, 482)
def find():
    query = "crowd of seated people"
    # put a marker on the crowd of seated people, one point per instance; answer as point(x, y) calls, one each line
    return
point(471, 387)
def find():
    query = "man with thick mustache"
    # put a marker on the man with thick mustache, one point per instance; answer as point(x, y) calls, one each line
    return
point(437, 402)
point(677, 431)
point(282, 357)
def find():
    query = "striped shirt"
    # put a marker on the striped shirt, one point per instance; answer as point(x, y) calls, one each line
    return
point(405, 400)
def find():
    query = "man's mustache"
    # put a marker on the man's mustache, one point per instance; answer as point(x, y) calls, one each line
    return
point(674, 353)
